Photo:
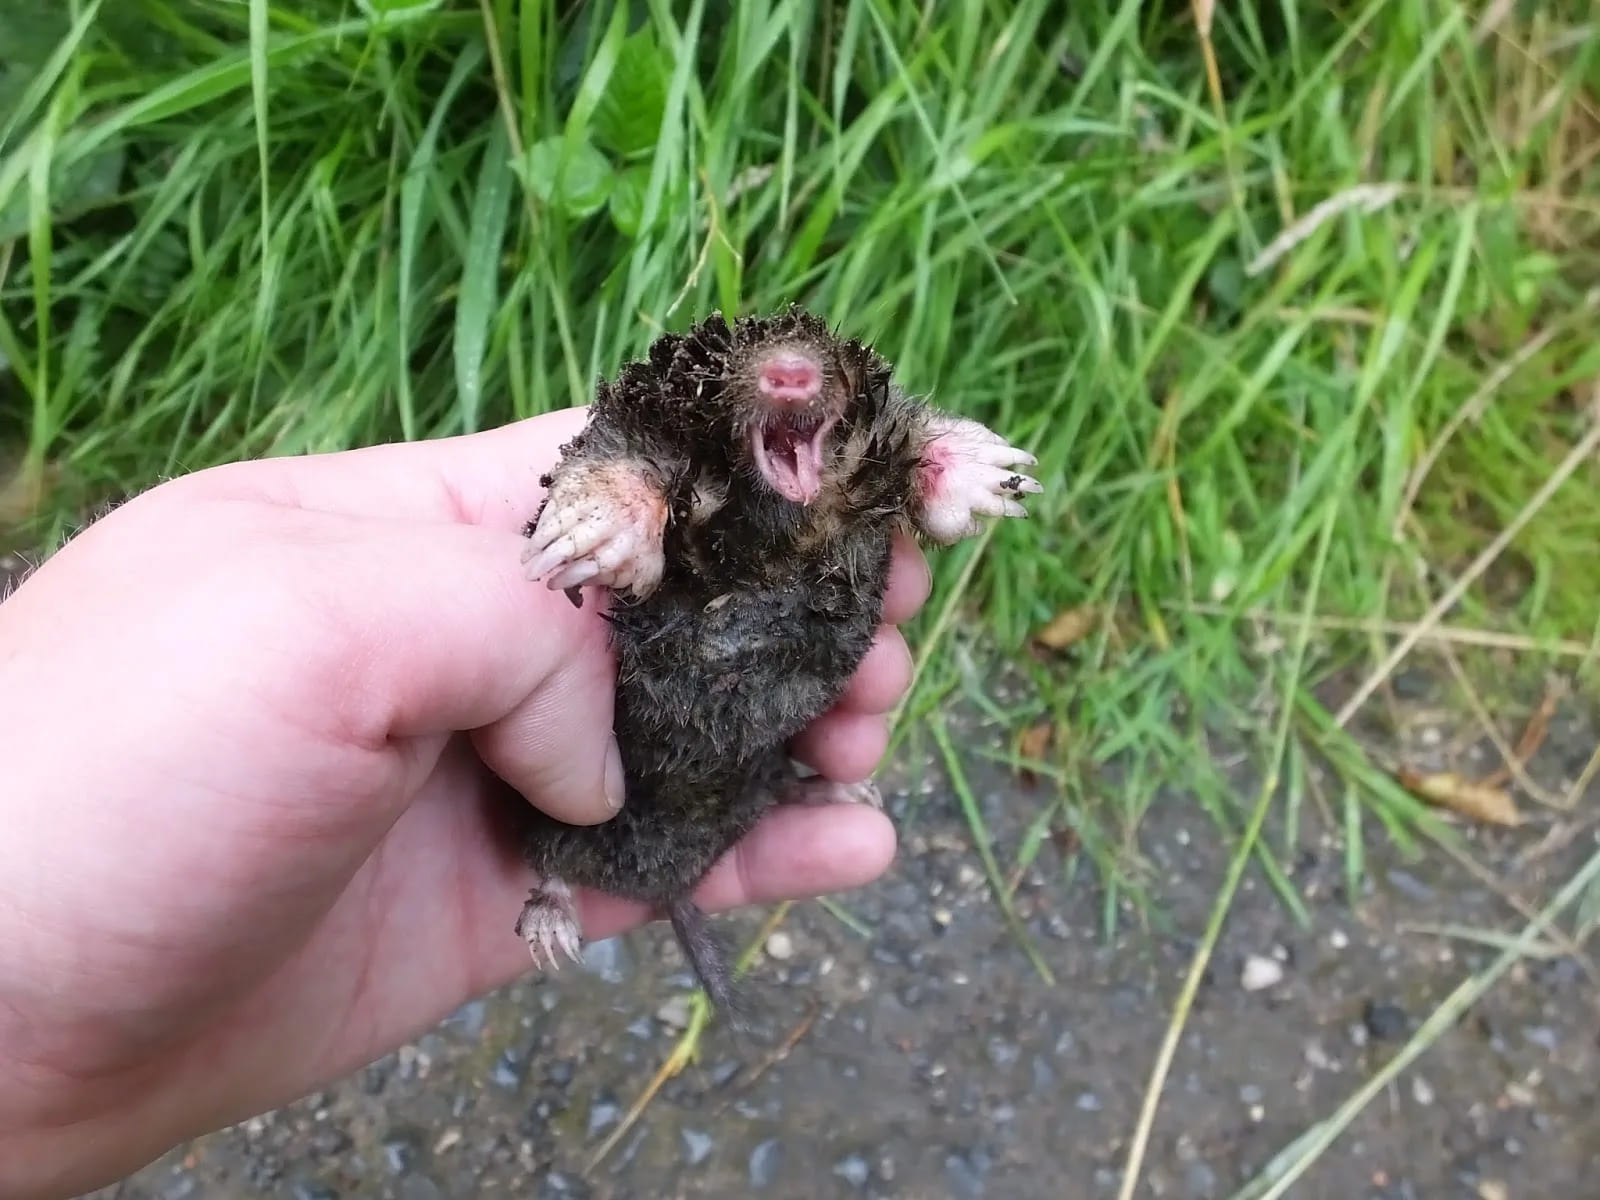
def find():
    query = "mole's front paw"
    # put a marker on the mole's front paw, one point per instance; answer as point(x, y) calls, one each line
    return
point(602, 525)
point(968, 471)
point(549, 922)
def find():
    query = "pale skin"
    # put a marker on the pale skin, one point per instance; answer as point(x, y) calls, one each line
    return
point(248, 724)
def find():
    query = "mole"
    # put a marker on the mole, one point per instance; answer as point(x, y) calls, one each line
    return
point(736, 491)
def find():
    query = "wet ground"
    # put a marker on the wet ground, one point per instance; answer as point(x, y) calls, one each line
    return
point(924, 1056)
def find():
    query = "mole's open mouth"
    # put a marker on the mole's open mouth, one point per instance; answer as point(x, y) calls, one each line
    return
point(788, 450)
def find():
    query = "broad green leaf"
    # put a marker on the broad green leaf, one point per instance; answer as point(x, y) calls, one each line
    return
point(579, 185)
point(628, 118)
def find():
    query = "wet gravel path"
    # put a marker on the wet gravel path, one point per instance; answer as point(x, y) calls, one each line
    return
point(928, 1058)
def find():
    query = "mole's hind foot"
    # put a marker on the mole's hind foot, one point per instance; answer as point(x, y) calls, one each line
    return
point(814, 790)
point(549, 922)
point(602, 525)
point(968, 471)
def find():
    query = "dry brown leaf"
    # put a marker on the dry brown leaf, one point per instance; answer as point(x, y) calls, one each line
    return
point(1069, 627)
point(1476, 801)
point(1034, 744)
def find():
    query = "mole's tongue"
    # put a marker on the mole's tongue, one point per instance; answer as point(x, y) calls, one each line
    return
point(791, 460)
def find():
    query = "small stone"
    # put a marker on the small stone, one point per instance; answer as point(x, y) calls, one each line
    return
point(942, 917)
point(448, 1140)
point(602, 1113)
point(1260, 973)
point(181, 1186)
point(696, 1146)
point(967, 1173)
point(1409, 886)
point(1386, 1022)
point(330, 1142)
point(853, 1170)
point(1044, 1076)
point(1250, 1094)
point(1541, 1036)
point(1338, 939)
point(507, 1072)
point(399, 1154)
point(642, 1029)
point(1257, 1113)
point(763, 1165)
point(968, 876)
point(1003, 1053)
point(607, 958)
point(469, 1019)
point(312, 1191)
point(674, 1014)
point(1088, 1102)
point(1421, 1091)
point(780, 946)
point(560, 1072)
point(1200, 1180)
point(724, 1071)
point(1493, 1189)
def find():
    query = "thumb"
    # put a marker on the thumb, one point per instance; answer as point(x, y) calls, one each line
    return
point(557, 747)
point(442, 634)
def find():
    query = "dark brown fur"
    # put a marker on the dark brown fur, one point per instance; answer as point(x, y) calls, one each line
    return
point(764, 610)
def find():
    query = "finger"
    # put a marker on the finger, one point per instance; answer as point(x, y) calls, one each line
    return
point(489, 478)
point(910, 581)
point(844, 746)
point(794, 853)
point(882, 678)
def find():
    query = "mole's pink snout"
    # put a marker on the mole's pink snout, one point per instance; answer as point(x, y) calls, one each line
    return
point(788, 377)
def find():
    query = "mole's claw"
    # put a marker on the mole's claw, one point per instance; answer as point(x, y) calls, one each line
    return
point(572, 576)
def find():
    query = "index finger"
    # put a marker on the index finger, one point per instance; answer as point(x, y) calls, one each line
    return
point(489, 479)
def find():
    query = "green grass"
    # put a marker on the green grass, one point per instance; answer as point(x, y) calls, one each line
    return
point(248, 228)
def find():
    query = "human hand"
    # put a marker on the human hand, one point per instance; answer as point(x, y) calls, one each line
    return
point(248, 847)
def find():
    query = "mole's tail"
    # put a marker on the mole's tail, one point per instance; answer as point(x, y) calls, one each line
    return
point(707, 958)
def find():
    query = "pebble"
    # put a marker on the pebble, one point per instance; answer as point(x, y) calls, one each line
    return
point(674, 1014)
point(507, 1072)
point(603, 1113)
point(469, 1019)
point(763, 1165)
point(1088, 1102)
point(1201, 1180)
point(1409, 885)
point(1003, 1053)
point(312, 1191)
point(1260, 973)
point(1386, 1022)
point(399, 1153)
point(780, 946)
point(967, 1173)
point(182, 1186)
point(330, 1142)
point(1493, 1189)
point(560, 1072)
point(608, 958)
point(853, 1170)
point(420, 1187)
point(724, 1071)
point(696, 1146)
point(1421, 1091)
point(1338, 939)
point(1044, 1075)
point(448, 1140)
point(642, 1029)
point(1542, 1036)
point(1250, 1094)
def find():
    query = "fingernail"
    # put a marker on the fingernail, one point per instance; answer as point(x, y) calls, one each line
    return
point(615, 786)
